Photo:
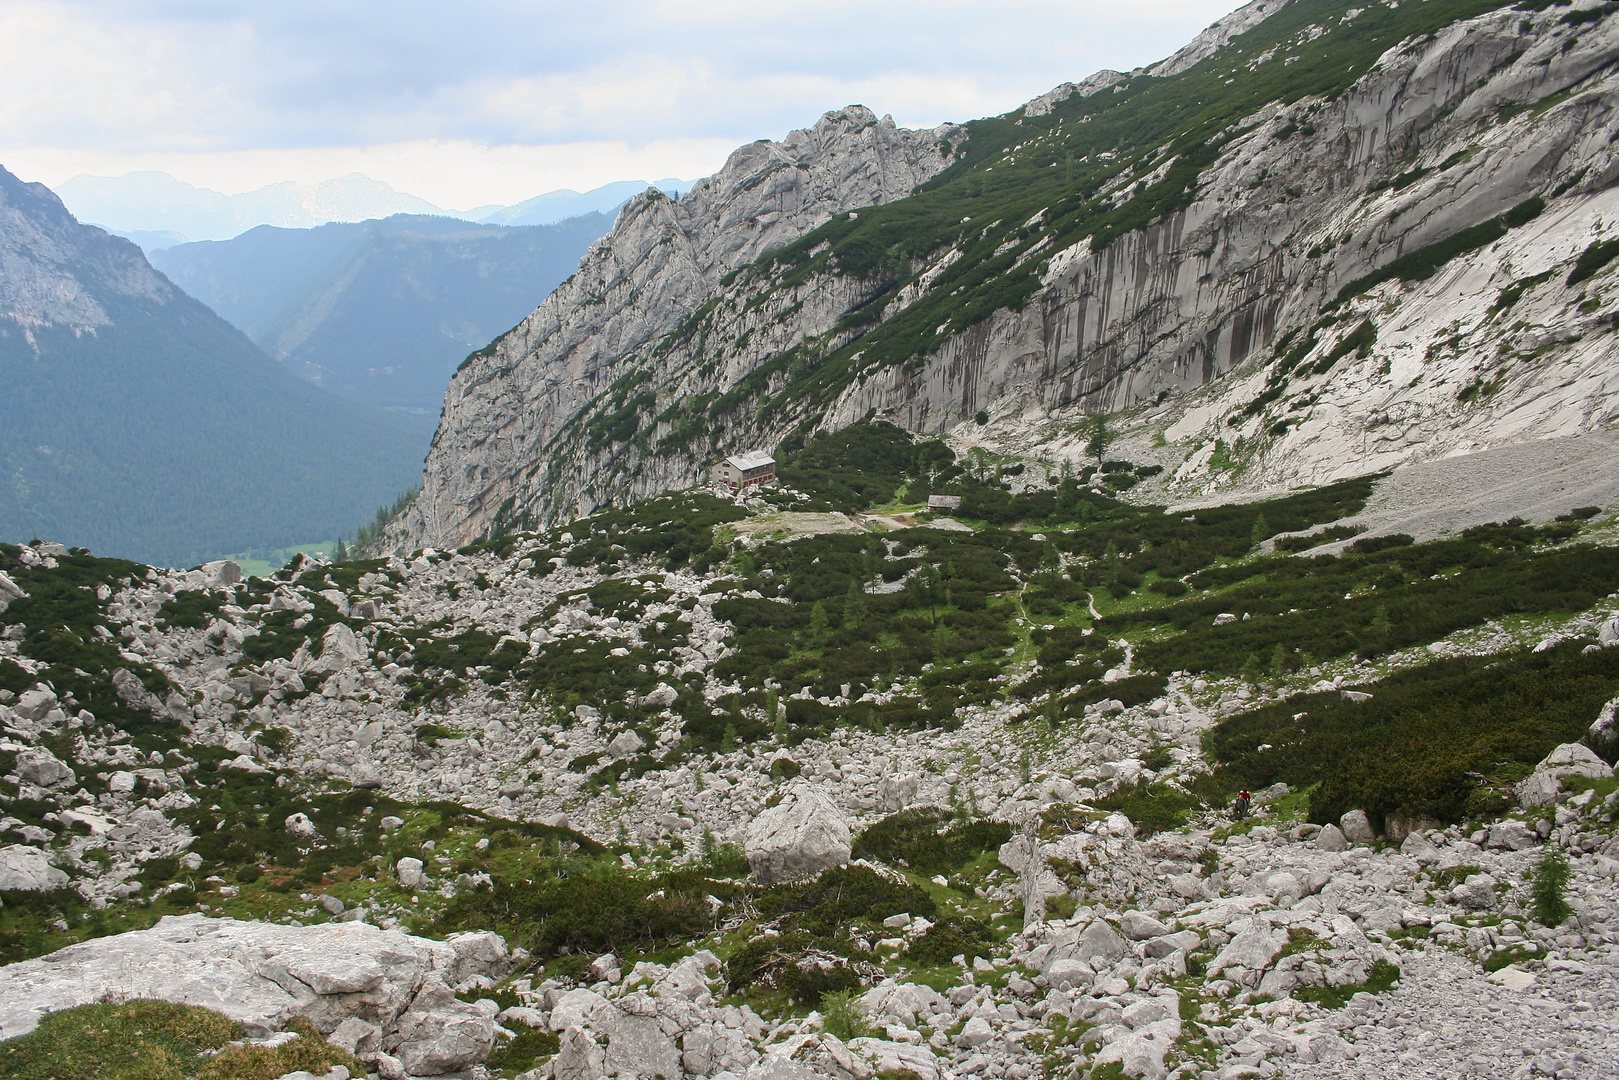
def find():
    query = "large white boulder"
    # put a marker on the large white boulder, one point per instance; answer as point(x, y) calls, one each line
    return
point(40, 767)
point(340, 649)
point(26, 869)
point(1252, 949)
point(9, 591)
point(625, 744)
point(797, 838)
point(34, 704)
point(1357, 827)
point(1608, 635)
point(440, 1034)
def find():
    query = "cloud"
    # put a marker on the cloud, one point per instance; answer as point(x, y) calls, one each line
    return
point(189, 83)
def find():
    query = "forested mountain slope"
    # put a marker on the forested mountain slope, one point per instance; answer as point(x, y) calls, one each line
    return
point(135, 421)
point(1388, 221)
point(380, 311)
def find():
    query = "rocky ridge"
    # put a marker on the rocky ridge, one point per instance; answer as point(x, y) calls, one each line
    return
point(664, 259)
point(1224, 327)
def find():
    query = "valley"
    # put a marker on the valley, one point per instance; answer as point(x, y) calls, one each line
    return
point(1166, 624)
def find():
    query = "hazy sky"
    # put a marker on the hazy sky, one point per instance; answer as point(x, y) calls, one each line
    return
point(491, 101)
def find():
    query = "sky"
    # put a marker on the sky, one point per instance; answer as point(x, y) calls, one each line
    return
point(494, 101)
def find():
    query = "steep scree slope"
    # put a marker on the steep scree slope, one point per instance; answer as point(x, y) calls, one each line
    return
point(1373, 215)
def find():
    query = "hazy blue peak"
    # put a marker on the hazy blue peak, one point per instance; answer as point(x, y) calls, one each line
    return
point(150, 202)
point(158, 211)
point(556, 206)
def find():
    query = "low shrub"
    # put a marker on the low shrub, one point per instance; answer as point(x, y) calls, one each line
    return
point(922, 839)
point(596, 912)
point(524, 1051)
point(1155, 807)
point(1379, 980)
point(1422, 743)
point(949, 938)
point(826, 906)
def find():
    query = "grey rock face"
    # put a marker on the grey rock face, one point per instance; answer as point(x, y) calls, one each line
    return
point(1331, 838)
point(1064, 974)
point(1139, 926)
point(896, 792)
point(1099, 941)
point(1511, 836)
point(9, 591)
point(1608, 636)
point(440, 1034)
point(1604, 733)
point(1477, 893)
point(625, 744)
point(580, 1057)
point(1252, 949)
point(638, 1045)
point(34, 704)
point(1107, 329)
point(797, 838)
point(340, 649)
point(1570, 759)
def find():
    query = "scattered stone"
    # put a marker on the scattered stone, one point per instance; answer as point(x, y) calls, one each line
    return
point(410, 874)
point(1357, 827)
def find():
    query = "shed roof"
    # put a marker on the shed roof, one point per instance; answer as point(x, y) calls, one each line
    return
point(751, 460)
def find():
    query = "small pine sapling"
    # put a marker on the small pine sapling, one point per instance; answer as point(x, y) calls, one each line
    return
point(1550, 889)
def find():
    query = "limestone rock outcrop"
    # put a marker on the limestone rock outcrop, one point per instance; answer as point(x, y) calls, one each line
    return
point(262, 975)
point(28, 869)
point(1546, 782)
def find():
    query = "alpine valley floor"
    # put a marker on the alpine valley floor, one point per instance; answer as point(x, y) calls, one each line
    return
point(663, 793)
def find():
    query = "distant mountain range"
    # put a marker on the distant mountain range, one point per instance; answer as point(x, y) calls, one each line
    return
point(157, 211)
point(137, 422)
point(381, 312)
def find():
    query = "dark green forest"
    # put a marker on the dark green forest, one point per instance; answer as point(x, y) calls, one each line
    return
point(169, 438)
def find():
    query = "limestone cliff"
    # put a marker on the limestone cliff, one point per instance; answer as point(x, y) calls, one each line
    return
point(664, 259)
point(1381, 252)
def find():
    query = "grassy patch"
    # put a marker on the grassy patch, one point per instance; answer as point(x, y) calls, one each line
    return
point(159, 1040)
